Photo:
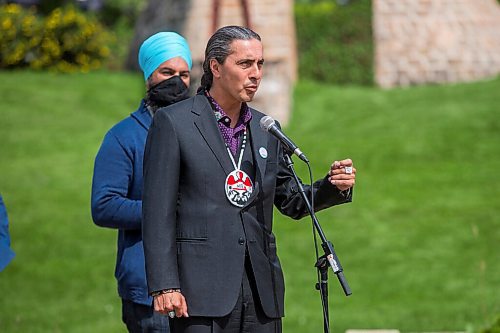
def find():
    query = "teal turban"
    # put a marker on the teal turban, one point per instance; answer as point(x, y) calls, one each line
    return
point(161, 47)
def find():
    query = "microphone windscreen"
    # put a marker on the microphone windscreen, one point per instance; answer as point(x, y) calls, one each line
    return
point(266, 122)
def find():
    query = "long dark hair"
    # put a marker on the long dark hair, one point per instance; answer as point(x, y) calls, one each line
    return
point(219, 48)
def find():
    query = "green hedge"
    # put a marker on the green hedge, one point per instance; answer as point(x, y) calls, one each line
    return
point(335, 43)
point(65, 40)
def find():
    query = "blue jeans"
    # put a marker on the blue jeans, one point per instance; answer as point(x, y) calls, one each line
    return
point(143, 319)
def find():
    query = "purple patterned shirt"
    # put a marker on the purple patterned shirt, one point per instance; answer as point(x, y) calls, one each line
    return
point(231, 135)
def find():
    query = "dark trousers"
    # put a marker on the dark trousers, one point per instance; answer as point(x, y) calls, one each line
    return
point(246, 317)
point(141, 318)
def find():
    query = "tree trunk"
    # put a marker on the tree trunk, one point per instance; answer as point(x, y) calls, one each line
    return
point(158, 15)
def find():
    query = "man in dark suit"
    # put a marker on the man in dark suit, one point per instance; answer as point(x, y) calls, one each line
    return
point(211, 178)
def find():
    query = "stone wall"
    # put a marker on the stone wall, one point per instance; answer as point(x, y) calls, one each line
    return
point(274, 22)
point(435, 41)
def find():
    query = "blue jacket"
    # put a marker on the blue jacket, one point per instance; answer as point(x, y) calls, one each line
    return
point(117, 199)
point(6, 254)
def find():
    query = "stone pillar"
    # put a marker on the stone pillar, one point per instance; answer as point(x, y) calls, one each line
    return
point(274, 22)
point(435, 41)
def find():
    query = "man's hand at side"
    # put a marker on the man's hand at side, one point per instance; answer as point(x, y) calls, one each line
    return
point(173, 301)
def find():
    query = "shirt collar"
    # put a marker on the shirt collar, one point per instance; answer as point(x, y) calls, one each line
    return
point(223, 118)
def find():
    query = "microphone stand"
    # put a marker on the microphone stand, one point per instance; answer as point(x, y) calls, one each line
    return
point(328, 259)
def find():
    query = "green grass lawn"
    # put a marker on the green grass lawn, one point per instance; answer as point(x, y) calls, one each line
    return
point(419, 244)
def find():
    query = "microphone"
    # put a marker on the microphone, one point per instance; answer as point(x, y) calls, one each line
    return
point(269, 125)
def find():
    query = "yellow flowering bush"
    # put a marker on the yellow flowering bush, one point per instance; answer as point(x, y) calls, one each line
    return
point(20, 34)
point(66, 40)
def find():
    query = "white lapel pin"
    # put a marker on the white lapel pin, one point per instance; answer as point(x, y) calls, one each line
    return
point(263, 152)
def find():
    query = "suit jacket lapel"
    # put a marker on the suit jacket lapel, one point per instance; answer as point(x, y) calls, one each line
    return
point(207, 125)
point(259, 141)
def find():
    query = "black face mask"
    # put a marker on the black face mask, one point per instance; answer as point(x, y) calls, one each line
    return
point(167, 92)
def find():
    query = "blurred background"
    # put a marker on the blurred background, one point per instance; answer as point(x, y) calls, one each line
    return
point(409, 89)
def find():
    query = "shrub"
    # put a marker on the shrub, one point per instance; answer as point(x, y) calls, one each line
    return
point(20, 34)
point(72, 41)
point(66, 40)
point(125, 12)
point(120, 17)
point(335, 42)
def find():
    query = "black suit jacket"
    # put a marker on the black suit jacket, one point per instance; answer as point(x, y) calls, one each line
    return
point(194, 239)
